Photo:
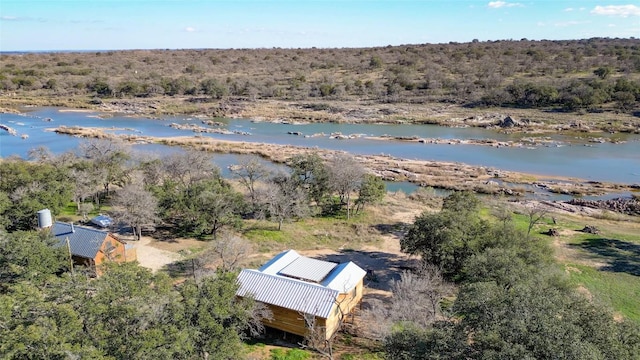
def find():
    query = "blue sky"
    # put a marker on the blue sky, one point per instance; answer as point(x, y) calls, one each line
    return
point(179, 24)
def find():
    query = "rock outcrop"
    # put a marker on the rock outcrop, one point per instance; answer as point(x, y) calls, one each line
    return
point(629, 206)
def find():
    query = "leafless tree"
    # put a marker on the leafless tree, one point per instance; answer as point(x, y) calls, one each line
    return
point(500, 209)
point(416, 299)
point(41, 154)
point(283, 199)
point(535, 213)
point(86, 184)
point(136, 207)
point(84, 209)
point(315, 339)
point(417, 296)
point(346, 175)
point(190, 166)
point(108, 157)
point(248, 172)
point(230, 250)
point(223, 253)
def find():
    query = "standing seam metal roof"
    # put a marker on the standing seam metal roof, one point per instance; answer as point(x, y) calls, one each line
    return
point(308, 269)
point(287, 293)
point(279, 262)
point(84, 242)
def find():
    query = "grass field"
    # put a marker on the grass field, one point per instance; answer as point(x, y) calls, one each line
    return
point(606, 265)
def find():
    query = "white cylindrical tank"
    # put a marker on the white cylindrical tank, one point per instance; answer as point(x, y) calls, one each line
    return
point(44, 218)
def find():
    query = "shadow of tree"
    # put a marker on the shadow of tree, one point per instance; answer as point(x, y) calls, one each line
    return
point(180, 268)
point(621, 256)
point(381, 267)
point(398, 229)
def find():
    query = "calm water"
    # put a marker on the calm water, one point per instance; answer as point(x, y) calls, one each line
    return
point(599, 162)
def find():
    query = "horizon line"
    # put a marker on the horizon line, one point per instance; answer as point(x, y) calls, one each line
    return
point(308, 48)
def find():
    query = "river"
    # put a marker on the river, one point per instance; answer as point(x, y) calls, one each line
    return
point(560, 156)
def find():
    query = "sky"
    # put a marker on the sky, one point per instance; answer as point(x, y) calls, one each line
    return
point(33, 25)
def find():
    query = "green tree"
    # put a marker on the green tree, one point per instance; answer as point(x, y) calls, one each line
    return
point(215, 319)
point(29, 256)
point(134, 314)
point(372, 190)
point(31, 187)
point(208, 206)
point(214, 88)
point(447, 239)
point(312, 174)
point(602, 72)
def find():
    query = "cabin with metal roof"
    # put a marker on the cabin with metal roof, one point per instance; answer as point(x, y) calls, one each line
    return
point(91, 247)
point(304, 294)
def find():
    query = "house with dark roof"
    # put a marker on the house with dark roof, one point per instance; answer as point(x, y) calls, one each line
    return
point(91, 247)
point(304, 294)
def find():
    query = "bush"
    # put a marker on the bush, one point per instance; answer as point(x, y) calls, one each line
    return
point(290, 354)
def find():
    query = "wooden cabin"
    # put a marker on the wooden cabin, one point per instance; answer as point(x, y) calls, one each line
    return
point(91, 247)
point(304, 293)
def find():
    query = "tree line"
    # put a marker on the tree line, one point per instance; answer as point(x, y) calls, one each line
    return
point(590, 74)
point(184, 191)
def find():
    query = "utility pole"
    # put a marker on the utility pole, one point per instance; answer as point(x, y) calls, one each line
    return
point(70, 257)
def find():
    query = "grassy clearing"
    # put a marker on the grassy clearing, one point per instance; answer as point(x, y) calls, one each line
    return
point(313, 233)
point(607, 264)
point(70, 212)
point(619, 291)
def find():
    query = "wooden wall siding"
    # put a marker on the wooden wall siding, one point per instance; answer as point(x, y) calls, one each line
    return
point(111, 250)
point(293, 322)
point(287, 320)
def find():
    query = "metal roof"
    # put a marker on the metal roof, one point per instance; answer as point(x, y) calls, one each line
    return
point(279, 262)
point(308, 269)
point(288, 293)
point(84, 242)
point(344, 277)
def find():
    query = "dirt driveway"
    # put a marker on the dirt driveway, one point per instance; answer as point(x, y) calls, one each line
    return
point(151, 257)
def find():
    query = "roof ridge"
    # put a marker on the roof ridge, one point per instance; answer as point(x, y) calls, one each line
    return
point(293, 280)
point(81, 227)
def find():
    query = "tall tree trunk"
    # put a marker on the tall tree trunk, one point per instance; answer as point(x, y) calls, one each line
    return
point(348, 206)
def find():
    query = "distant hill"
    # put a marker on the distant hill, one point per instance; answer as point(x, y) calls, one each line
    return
point(598, 74)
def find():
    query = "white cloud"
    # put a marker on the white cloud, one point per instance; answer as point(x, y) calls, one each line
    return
point(500, 4)
point(190, 29)
point(569, 9)
point(9, 18)
point(617, 10)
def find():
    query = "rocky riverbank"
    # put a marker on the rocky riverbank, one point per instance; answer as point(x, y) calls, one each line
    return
point(628, 206)
point(444, 175)
point(504, 120)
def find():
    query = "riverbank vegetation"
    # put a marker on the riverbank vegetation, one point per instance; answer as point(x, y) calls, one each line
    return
point(591, 84)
